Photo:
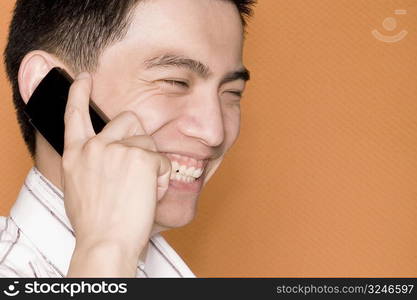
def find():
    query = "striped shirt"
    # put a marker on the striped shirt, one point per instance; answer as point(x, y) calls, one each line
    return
point(37, 240)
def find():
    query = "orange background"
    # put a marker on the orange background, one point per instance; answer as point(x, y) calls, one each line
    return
point(323, 180)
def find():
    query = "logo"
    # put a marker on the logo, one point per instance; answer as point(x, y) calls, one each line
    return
point(11, 290)
point(390, 24)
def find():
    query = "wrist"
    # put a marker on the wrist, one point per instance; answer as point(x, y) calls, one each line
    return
point(103, 259)
point(112, 244)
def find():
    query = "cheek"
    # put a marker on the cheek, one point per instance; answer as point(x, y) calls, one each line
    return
point(113, 94)
point(116, 96)
point(231, 119)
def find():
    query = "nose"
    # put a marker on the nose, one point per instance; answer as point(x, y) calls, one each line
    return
point(203, 120)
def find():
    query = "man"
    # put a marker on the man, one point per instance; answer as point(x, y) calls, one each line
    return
point(169, 76)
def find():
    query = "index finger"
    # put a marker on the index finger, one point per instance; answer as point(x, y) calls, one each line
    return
point(78, 127)
point(126, 124)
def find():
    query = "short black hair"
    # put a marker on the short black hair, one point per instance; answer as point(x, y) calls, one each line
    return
point(76, 31)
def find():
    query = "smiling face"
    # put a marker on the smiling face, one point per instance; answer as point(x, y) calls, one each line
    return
point(180, 69)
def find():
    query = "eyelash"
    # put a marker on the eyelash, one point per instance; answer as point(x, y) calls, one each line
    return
point(236, 93)
point(176, 83)
point(183, 84)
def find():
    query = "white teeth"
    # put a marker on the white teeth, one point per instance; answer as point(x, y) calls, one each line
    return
point(190, 171)
point(197, 173)
point(184, 173)
point(182, 178)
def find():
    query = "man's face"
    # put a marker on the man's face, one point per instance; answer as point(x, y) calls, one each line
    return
point(179, 68)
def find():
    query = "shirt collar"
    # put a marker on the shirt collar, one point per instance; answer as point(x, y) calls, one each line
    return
point(39, 212)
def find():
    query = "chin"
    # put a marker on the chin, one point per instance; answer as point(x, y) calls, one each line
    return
point(174, 212)
point(176, 208)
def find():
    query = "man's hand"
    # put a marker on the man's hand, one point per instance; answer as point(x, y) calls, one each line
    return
point(111, 183)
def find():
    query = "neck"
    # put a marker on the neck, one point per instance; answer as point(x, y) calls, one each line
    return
point(48, 161)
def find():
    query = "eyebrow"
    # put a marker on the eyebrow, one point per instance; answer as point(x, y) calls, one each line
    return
point(195, 66)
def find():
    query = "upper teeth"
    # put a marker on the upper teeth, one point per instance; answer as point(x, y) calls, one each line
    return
point(185, 170)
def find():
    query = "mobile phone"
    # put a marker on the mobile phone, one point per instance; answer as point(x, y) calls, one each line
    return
point(46, 108)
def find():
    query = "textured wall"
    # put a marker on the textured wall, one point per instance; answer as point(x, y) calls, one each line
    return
point(322, 181)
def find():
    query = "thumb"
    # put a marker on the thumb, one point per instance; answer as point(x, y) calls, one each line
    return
point(164, 174)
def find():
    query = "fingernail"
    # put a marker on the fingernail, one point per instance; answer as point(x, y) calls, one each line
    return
point(83, 75)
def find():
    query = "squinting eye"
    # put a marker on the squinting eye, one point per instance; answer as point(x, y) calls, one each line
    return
point(176, 83)
point(236, 93)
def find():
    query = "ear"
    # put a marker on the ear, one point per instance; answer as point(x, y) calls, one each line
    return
point(33, 68)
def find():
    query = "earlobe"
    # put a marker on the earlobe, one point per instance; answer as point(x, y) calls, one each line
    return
point(34, 67)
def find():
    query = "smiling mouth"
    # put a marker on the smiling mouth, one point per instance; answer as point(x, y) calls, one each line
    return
point(186, 169)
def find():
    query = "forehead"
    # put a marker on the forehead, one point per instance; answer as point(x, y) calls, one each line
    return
point(210, 30)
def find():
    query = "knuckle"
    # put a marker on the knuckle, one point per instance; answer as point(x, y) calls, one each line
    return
point(66, 163)
point(68, 158)
point(92, 147)
point(116, 147)
point(130, 115)
point(69, 112)
point(133, 119)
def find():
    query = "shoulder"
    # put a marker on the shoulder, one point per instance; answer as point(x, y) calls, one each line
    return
point(9, 238)
point(18, 257)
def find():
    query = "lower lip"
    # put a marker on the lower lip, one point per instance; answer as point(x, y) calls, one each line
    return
point(194, 186)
